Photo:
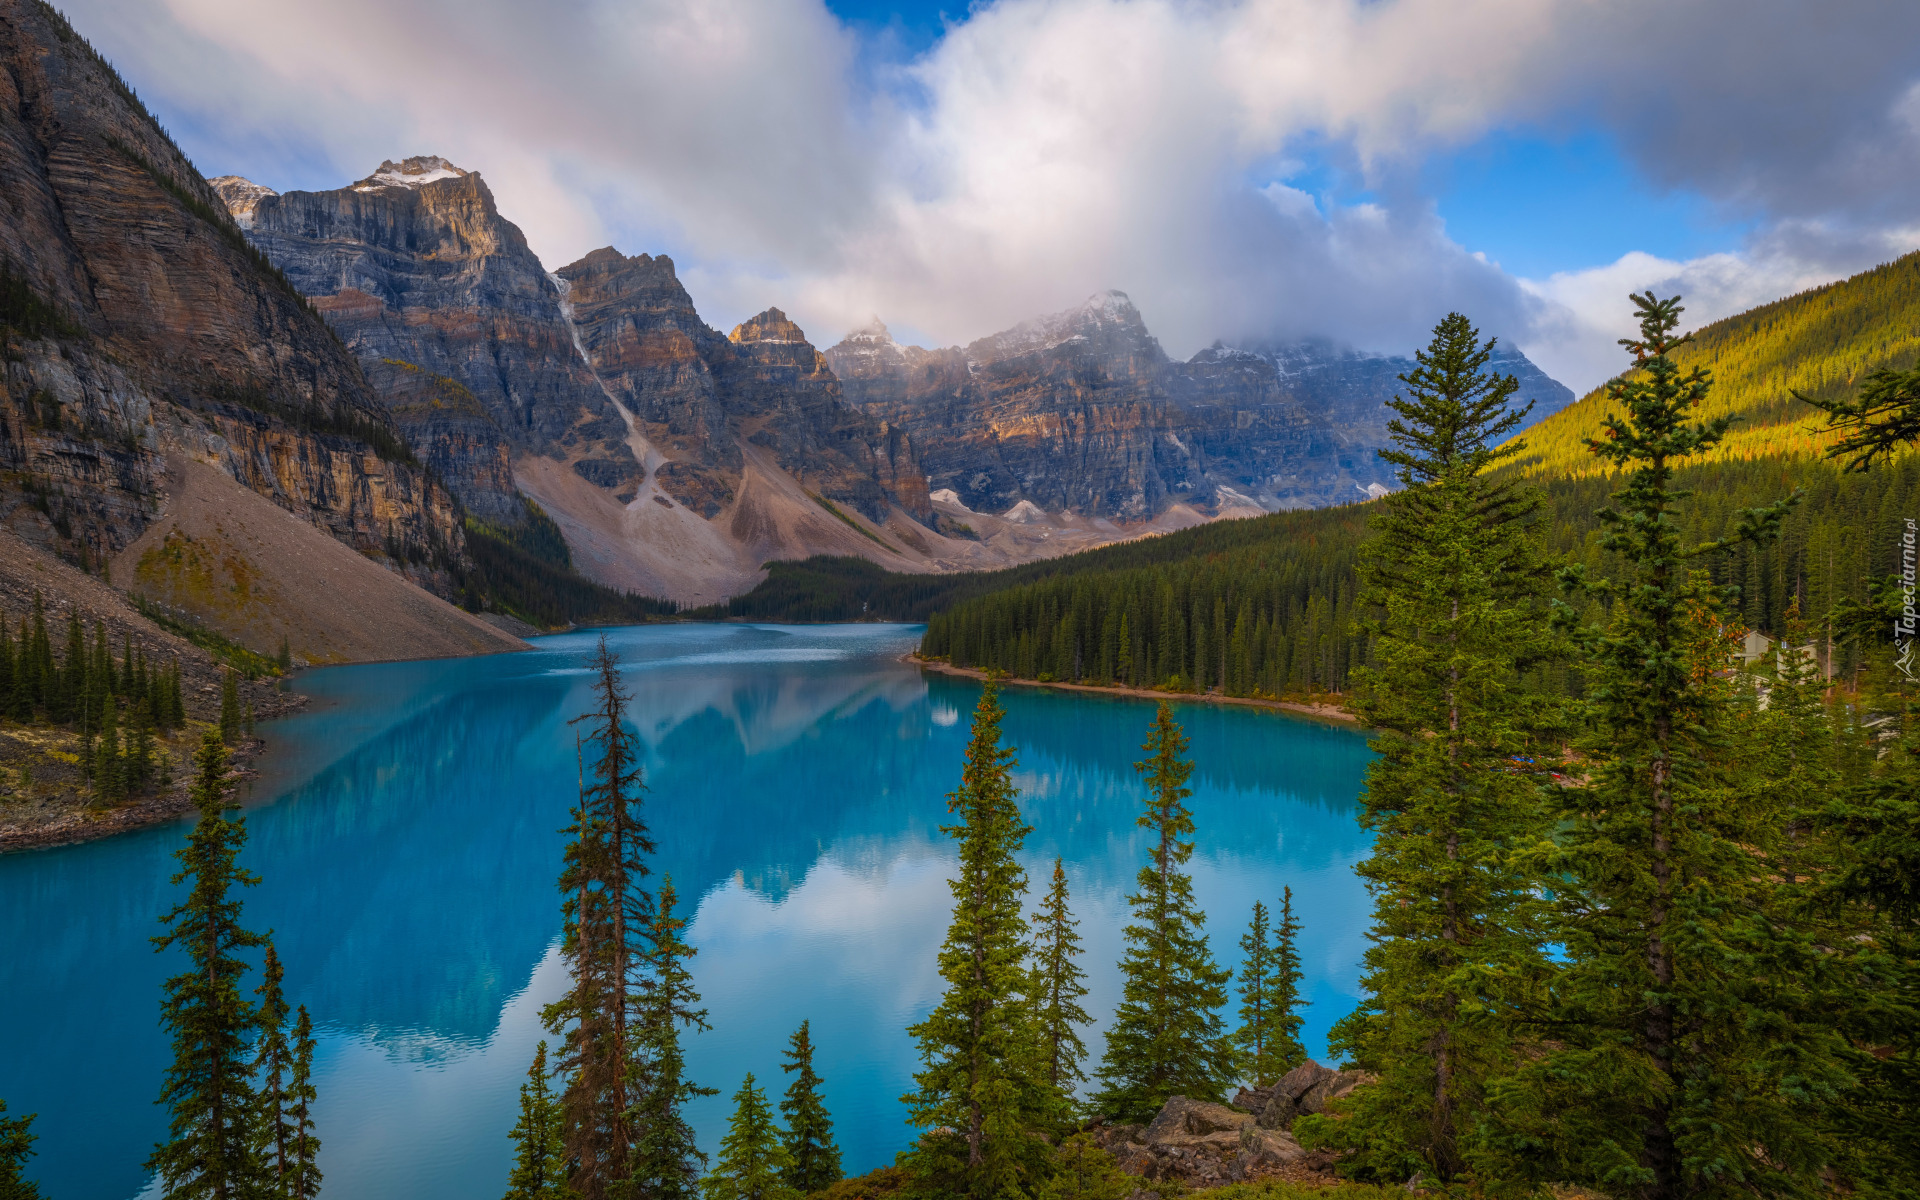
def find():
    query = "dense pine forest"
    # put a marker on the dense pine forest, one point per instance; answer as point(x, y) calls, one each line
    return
point(1267, 608)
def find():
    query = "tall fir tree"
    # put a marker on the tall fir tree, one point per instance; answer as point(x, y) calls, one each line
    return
point(208, 1090)
point(109, 766)
point(1681, 1066)
point(1058, 987)
point(1871, 824)
point(539, 1141)
point(304, 1182)
point(1268, 1040)
point(138, 769)
point(1458, 586)
point(1167, 1037)
point(273, 1067)
point(16, 1147)
point(605, 909)
point(982, 1093)
point(813, 1158)
point(753, 1163)
point(667, 1159)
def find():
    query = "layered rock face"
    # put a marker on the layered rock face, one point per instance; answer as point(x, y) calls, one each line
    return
point(138, 321)
point(1082, 411)
point(1070, 412)
point(415, 265)
point(697, 397)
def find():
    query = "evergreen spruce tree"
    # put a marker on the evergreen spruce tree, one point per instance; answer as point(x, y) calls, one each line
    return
point(210, 1148)
point(1268, 1040)
point(1058, 987)
point(1459, 590)
point(1167, 1037)
point(1682, 1064)
point(814, 1160)
point(229, 706)
point(539, 1143)
point(284, 659)
point(139, 767)
point(273, 1067)
point(605, 909)
point(667, 1159)
point(16, 1147)
point(753, 1163)
point(304, 1182)
point(982, 1092)
point(109, 774)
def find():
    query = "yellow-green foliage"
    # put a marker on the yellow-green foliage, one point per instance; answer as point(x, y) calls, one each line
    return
point(1821, 343)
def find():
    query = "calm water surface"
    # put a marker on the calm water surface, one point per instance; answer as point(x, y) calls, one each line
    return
point(405, 831)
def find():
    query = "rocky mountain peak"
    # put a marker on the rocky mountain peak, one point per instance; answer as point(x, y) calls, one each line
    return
point(410, 173)
point(241, 196)
point(769, 328)
point(1107, 323)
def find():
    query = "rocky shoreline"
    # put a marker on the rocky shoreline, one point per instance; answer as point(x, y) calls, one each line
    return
point(1330, 712)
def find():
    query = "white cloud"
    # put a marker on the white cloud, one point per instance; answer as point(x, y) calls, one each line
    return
point(1583, 314)
point(1044, 149)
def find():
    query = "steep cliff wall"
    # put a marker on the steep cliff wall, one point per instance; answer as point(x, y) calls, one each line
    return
point(1082, 411)
point(137, 321)
point(696, 395)
point(414, 264)
point(1071, 412)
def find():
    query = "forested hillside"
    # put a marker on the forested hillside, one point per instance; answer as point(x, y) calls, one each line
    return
point(1273, 613)
point(1265, 609)
point(1820, 343)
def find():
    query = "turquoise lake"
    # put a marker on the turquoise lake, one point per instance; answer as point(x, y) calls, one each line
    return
point(405, 827)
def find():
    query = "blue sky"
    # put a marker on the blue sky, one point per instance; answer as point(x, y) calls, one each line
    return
point(1244, 169)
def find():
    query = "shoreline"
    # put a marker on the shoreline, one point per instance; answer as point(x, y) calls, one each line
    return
point(82, 823)
point(1325, 712)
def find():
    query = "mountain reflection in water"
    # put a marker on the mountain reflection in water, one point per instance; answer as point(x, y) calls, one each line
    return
point(406, 830)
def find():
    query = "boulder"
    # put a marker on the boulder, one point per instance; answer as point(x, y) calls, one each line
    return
point(1278, 1113)
point(1333, 1086)
point(1296, 1083)
point(1184, 1122)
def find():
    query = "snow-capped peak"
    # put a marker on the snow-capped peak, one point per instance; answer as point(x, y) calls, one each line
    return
point(241, 196)
point(1111, 305)
point(410, 173)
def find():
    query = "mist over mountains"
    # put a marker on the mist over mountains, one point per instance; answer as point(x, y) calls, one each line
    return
point(678, 459)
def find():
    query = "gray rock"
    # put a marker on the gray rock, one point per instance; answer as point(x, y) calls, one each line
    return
point(1296, 1083)
point(1335, 1085)
point(1184, 1122)
point(1278, 1113)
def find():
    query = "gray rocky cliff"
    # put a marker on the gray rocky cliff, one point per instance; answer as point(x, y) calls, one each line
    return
point(415, 265)
point(699, 396)
point(141, 324)
point(1082, 411)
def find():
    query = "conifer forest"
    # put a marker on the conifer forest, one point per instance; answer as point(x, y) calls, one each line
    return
point(1645, 899)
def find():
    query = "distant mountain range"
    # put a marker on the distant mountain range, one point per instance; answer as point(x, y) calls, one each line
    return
point(677, 460)
point(391, 363)
point(1083, 411)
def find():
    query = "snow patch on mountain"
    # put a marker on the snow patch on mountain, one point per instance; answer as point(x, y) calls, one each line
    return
point(410, 173)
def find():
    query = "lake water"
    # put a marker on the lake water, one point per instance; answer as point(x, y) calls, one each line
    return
point(405, 829)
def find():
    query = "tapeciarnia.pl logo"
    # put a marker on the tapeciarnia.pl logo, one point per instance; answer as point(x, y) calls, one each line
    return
point(1903, 625)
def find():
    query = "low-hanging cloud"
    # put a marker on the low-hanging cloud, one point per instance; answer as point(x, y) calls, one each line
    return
point(1045, 149)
